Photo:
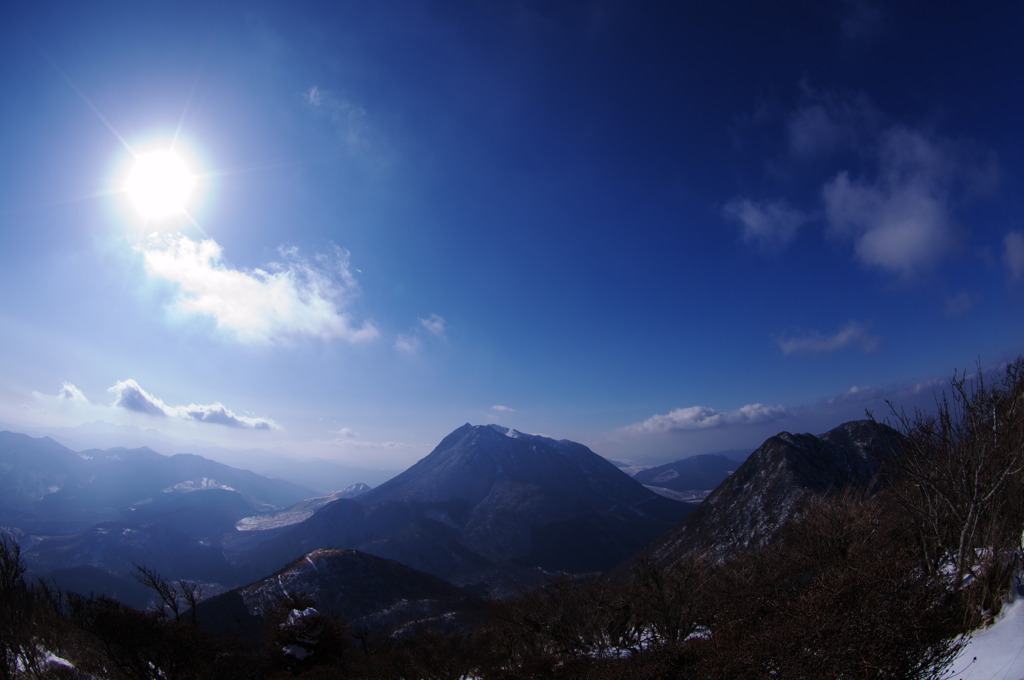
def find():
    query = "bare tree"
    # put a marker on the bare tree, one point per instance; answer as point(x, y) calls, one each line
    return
point(176, 598)
point(958, 477)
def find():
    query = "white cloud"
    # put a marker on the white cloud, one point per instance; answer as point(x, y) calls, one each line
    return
point(704, 418)
point(221, 415)
point(500, 408)
point(71, 393)
point(434, 324)
point(1013, 254)
point(771, 224)
point(132, 397)
point(345, 432)
point(853, 333)
point(298, 296)
point(900, 219)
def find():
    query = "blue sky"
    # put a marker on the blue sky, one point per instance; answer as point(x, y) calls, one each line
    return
point(659, 229)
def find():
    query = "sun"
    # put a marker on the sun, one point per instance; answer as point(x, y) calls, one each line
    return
point(160, 184)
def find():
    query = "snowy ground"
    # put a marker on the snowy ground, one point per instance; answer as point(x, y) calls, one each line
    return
point(996, 652)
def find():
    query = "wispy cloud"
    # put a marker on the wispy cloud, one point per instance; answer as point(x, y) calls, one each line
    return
point(294, 297)
point(771, 224)
point(826, 122)
point(1013, 254)
point(853, 334)
point(432, 326)
point(500, 408)
point(131, 396)
point(961, 303)
point(704, 418)
point(349, 119)
point(858, 394)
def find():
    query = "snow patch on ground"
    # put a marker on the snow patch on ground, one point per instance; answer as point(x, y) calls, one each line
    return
point(995, 652)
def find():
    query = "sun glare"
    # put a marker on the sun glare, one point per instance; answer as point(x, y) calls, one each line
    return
point(160, 184)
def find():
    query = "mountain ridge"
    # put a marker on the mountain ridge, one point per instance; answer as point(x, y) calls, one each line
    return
point(772, 487)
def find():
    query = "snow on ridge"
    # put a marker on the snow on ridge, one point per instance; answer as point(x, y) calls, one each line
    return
point(507, 431)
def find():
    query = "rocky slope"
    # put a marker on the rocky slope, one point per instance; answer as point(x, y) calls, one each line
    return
point(773, 486)
point(367, 593)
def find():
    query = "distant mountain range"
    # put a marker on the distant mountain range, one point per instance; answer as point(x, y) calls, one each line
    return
point(490, 510)
point(86, 518)
point(323, 476)
point(46, 484)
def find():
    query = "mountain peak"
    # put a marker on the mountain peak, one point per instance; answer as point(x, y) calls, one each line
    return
point(472, 459)
point(504, 495)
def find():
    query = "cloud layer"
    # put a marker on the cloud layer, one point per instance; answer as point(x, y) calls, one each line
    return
point(295, 297)
point(131, 396)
